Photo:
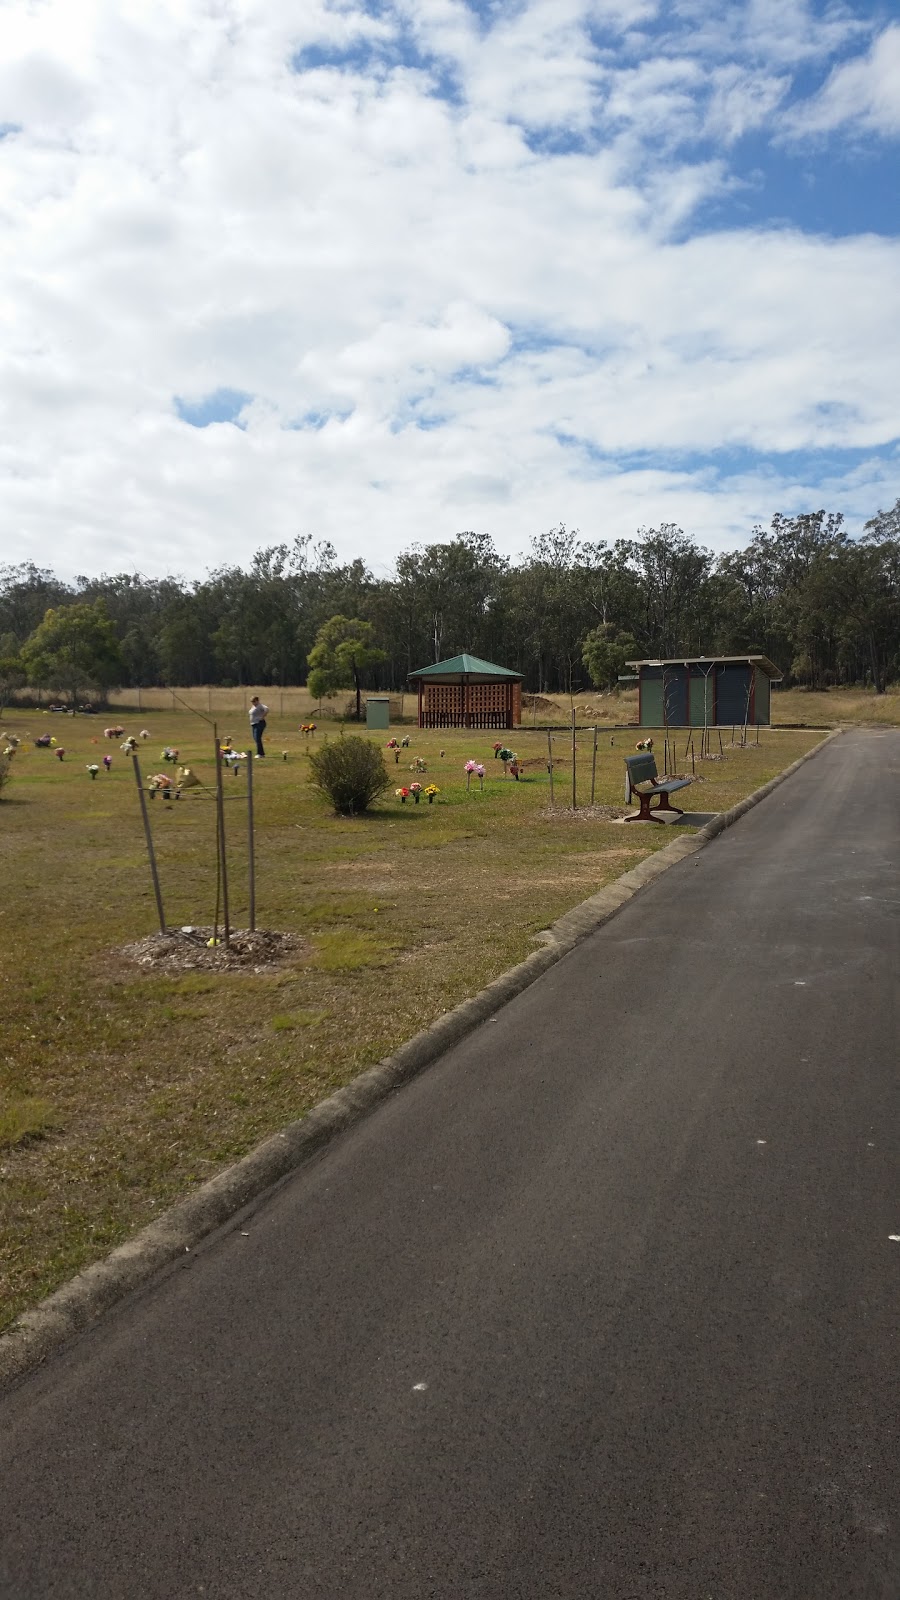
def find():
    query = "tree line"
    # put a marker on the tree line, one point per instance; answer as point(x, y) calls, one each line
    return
point(568, 614)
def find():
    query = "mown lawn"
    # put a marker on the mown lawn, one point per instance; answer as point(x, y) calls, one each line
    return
point(120, 1087)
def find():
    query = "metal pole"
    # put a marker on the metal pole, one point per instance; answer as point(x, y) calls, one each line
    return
point(149, 838)
point(251, 856)
point(574, 800)
point(220, 829)
point(594, 767)
point(550, 763)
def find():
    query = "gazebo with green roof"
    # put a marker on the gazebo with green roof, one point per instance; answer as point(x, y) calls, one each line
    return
point(466, 692)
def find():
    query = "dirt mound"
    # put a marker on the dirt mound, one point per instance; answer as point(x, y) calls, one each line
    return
point(179, 949)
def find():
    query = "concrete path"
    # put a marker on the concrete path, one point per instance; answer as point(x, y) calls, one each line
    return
point(605, 1304)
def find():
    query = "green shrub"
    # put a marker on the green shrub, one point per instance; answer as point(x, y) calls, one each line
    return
point(5, 772)
point(351, 772)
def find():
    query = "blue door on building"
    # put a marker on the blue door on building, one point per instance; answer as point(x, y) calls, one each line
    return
point(733, 683)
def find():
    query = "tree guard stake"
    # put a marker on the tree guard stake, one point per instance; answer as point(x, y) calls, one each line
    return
point(251, 856)
point(149, 838)
point(220, 830)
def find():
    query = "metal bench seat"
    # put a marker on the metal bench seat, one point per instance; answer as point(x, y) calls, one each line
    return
point(645, 782)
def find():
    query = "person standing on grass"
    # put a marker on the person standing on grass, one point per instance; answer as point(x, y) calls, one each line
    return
point(258, 723)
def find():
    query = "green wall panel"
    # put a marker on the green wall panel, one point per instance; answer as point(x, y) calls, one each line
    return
point(701, 688)
point(651, 701)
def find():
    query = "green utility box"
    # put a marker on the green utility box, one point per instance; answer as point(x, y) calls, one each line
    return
point(378, 712)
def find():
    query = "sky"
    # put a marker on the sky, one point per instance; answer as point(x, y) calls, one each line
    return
point(381, 271)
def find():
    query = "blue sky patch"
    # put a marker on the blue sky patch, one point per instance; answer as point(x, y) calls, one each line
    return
point(222, 405)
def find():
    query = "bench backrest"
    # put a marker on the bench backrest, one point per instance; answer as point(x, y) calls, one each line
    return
point(641, 768)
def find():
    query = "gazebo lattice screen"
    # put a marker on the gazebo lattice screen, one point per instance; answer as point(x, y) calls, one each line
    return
point(468, 705)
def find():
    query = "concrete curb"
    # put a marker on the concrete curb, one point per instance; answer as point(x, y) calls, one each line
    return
point(83, 1300)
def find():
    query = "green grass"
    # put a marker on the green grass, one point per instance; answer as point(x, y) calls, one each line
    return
point(287, 1021)
point(158, 1079)
point(23, 1119)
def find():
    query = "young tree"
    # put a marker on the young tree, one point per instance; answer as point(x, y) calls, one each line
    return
point(342, 651)
point(604, 652)
point(75, 647)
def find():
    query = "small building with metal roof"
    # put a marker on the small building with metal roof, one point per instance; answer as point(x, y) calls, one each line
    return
point(466, 692)
point(706, 691)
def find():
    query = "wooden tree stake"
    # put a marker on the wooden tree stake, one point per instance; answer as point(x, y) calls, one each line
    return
point(251, 852)
point(149, 838)
point(220, 830)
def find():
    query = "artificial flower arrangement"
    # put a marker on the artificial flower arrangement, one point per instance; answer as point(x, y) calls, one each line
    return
point(431, 790)
point(168, 754)
point(307, 728)
point(107, 762)
point(393, 745)
point(43, 742)
point(160, 783)
point(415, 790)
point(402, 795)
point(60, 752)
point(419, 765)
point(93, 769)
point(474, 769)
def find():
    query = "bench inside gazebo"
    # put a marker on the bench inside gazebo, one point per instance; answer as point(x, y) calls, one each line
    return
point(466, 692)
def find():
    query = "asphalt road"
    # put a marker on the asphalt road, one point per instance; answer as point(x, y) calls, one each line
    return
point(605, 1304)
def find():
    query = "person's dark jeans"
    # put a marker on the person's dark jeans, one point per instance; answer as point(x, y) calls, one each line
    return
point(258, 729)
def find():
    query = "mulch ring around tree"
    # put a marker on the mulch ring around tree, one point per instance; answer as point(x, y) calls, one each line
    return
point(180, 949)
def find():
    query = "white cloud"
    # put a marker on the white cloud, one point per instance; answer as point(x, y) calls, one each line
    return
point(862, 93)
point(447, 314)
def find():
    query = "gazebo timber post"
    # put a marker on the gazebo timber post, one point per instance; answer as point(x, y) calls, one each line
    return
point(420, 702)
